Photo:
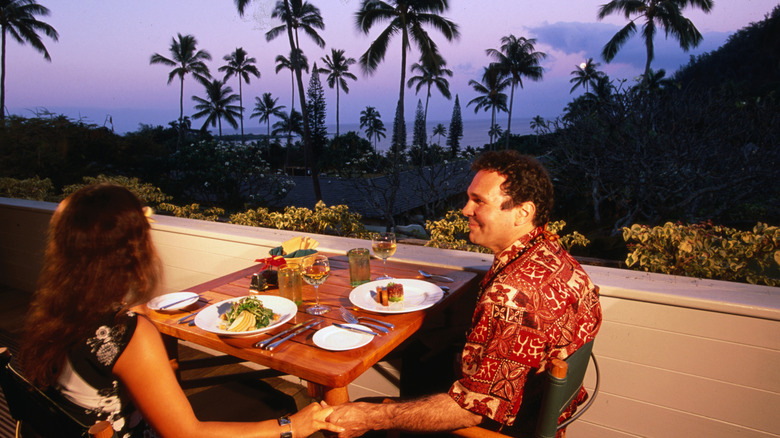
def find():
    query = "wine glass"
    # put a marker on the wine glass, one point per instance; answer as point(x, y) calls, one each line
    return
point(384, 246)
point(316, 270)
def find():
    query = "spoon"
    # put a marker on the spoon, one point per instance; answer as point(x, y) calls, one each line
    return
point(435, 276)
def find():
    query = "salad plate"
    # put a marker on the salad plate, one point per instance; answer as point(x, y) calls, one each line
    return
point(337, 339)
point(209, 319)
point(172, 301)
point(418, 295)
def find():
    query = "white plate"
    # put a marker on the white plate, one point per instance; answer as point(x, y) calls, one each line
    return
point(418, 295)
point(208, 319)
point(157, 302)
point(337, 339)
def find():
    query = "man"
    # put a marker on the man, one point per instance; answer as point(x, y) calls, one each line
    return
point(535, 303)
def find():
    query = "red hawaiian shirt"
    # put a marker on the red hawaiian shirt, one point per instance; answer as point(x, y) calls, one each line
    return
point(536, 303)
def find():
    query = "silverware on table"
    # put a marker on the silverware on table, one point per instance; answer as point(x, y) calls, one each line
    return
point(175, 303)
point(352, 319)
point(295, 333)
point(435, 276)
point(355, 329)
point(267, 341)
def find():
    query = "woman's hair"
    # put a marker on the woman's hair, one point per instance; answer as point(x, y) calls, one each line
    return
point(99, 262)
point(526, 180)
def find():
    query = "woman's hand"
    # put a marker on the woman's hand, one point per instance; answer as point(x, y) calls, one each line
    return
point(311, 419)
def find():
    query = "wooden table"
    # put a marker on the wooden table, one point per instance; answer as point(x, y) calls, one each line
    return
point(327, 372)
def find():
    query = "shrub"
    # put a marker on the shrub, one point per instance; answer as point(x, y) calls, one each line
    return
point(705, 250)
point(193, 211)
point(334, 220)
point(452, 231)
point(32, 188)
point(148, 193)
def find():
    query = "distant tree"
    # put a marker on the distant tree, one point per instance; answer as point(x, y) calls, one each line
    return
point(371, 121)
point(286, 63)
point(338, 73)
point(418, 133)
point(664, 13)
point(431, 71)
point(439, 130)
point(18, 19)
point(407, 19)
point(398, 140)
point(517, 58)
point(492, 98)
point(288, 125)
point(456, 129)
point(538, 124)
point(585, 75)
point(217, 105)
point(240, 65)
point(316, 115)
point(186, 59)
point(265, 108)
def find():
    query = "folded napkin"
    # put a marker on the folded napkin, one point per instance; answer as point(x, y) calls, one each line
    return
point(278, 251)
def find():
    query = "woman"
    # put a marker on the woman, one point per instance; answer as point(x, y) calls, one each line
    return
point(85, 345)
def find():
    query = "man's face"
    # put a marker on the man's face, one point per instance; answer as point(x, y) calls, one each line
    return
point(491, 226)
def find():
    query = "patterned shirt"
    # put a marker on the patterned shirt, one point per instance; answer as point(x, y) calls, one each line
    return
point(536, 303)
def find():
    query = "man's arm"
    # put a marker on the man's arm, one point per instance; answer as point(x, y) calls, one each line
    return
point(434, 413)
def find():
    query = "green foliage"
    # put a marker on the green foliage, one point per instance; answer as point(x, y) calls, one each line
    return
point(452, 232)
point(32, 188)
point(148, 193)
point(344, 154)
point(193, 211)
point(335, 220)
point(707, 251)
point(456, 129)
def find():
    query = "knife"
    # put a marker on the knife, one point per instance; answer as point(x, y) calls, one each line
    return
point(443, 278)
point(295, 333)
point(354, 329)
point(175, 303)
point(265, 342)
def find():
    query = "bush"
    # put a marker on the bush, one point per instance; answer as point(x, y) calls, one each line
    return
point(148, 193)
point(335, 220)
point(33, 188)
point(705, 250)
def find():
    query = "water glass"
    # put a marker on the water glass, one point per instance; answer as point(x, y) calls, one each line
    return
point(359, 266)
point(291, 283)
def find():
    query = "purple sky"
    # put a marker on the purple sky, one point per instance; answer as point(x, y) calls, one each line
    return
point(100, 66)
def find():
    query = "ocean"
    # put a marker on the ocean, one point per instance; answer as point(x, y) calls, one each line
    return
point(475, 132)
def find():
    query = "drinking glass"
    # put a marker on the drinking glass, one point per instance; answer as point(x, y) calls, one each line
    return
point(315, 270)
point(384, 246)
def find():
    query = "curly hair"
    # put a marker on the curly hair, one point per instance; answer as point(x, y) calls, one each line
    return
point(526, 180)
point(99, 262)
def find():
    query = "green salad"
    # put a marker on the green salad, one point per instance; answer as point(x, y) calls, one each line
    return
point(250, 313)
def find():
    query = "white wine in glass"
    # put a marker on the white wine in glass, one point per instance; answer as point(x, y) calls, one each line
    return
point(384, 246)
point(315, 270)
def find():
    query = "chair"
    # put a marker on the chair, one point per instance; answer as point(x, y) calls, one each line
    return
point(564, 379)
point(36, 414)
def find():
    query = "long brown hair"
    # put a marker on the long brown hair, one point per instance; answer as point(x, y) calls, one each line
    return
point(99, 262)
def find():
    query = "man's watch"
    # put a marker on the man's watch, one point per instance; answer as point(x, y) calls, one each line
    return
point(285, 421)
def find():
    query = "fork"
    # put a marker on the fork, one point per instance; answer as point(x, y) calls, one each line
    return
point(350, 318)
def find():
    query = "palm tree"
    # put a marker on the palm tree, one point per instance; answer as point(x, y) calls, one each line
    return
point(338, 73)
point(517, 58)
point(265, 108)
point(17, 18)
point(371, 121)
point(297, 14)
point(494, 81)
point(217, 105)
point(585, 75)
point(664, 13)
point(289, 124)
point(439, 130)
point(286, 63)
point(185, 59)
point(406, 18)
point(537, 124)
point(430, 74)
point(238, 64)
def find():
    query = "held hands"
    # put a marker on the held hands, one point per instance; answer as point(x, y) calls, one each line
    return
point(311, 419)
point(351, 419)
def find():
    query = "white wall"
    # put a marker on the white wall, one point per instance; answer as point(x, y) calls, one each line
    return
point(679, 356)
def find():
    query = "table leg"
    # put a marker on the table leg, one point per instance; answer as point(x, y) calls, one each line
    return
point(332, 396)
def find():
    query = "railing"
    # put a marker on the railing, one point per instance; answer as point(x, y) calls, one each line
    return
point(679, 356)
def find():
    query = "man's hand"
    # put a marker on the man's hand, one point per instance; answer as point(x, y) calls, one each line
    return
point(354, 418)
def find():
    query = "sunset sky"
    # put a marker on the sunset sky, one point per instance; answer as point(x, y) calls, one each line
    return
point(100, 66)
